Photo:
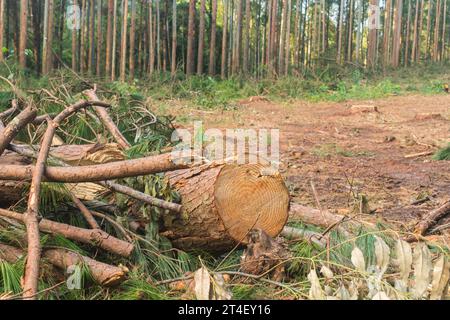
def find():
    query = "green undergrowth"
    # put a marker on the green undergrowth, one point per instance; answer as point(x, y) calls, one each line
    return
point(135, 107)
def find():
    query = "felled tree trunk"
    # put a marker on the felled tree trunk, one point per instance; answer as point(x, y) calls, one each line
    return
point(12, 191)
point(102, 273)
point(223, 202)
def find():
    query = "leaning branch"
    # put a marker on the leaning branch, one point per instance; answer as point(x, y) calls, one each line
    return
point(107, 121)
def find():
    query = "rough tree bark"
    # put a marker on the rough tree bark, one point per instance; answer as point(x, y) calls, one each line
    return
point(23, 33)
point(201, 38)
point(107, 121)
point(215, 216)
point(18, 123)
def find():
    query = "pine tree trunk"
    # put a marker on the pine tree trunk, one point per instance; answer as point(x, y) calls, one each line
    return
point(173, 67)
point(99, 37)
point(201, 38)
point(236, 63)
point(437, 31)
point(109, 37)
point(281, 44)
point(340, 27)
point(246, 37)
point(387, 32)
point(223, 65)
point(416, 33)
point(23, 33)
point(132, 39)
point(273, 38)
point(114, 43)
point(123, 50)
point(91, 36)
point(287, 49)
point(83, 37)
point(419, 36)
point(428, 34)
point(215, 216)
point(2, 17)
point(372, 42)
point(444, 26)
point(397, 34)
point(212, 45)
point(298, 8)
point(191, 34)
point(350, 32)
point(408, 34)
point(151, 42)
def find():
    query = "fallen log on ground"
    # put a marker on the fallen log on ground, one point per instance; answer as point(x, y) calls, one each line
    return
point(223, 202)
point(102, 273)
point(94, 237)
point(94, 173)
point(430, 219)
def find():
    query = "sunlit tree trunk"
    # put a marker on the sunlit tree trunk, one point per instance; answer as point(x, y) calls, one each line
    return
point(123, 49)
point(298, 8)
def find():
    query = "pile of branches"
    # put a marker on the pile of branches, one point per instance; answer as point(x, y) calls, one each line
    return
point(24, 112)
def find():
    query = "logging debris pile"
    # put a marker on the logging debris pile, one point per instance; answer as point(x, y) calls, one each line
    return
point(89, 192)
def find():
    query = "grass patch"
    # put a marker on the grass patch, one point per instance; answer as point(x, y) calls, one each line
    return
point(443, 154)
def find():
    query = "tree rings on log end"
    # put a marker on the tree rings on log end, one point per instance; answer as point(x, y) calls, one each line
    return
point(251, 196)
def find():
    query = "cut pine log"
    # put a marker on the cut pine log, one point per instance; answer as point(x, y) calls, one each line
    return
point(93, 237)
point(102, 273)
point(223, 202)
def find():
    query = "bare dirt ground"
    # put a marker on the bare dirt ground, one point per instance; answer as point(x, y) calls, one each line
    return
point(349, 156)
